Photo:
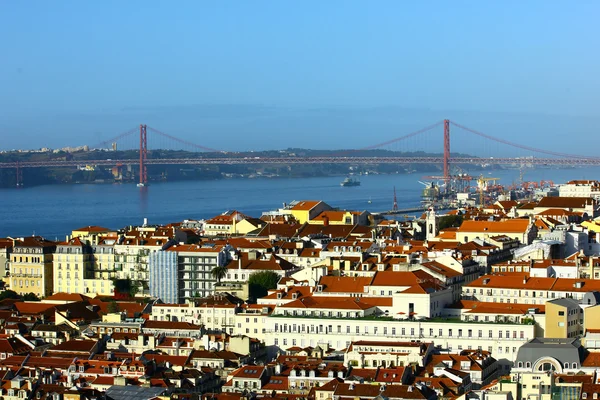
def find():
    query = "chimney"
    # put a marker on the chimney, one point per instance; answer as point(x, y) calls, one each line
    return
point(240, 262)
point(325, 221)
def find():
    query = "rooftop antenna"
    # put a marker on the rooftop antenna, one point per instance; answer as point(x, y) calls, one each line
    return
point(395, 206)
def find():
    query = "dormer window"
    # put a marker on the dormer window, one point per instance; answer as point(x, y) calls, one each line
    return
point(81, 368)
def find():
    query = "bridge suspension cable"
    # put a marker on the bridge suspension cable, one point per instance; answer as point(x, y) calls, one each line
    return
point(420, 131)
point(185, 142)
point(114, 139)
point(520, 146)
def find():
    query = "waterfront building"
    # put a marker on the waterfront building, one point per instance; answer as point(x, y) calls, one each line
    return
point(31, 266)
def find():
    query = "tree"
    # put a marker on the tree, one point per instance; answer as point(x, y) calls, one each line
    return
point(448, 221)
point(9, 294)
point(125, 287)
point(30, 297)
point(260, 282)
point(219, 272)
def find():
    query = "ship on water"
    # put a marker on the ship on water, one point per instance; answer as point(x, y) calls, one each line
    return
point(350, 181)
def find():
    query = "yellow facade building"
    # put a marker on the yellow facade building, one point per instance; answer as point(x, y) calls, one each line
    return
point(564, 319)
point(31, 266)
point(73, 270)
point(91, 234)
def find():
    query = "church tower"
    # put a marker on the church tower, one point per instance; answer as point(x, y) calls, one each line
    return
point(432, 224)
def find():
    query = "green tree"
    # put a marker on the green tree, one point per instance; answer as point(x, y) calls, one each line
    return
point(30, 297)
point(219, 272)
point(260, 282)
point(126, 287)
point(448, 221)
point(9, 294)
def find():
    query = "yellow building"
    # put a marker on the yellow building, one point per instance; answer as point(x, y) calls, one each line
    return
point(591, 319)
point(341, 218)
point(91, 234)
point(306, 210)
point(104, 259)
point(73, 270)
point(31, 266)
point(564, 319)
point(224, 224)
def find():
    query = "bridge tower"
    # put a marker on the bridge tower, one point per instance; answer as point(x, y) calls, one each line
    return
point(447, 151)
point(143, 156)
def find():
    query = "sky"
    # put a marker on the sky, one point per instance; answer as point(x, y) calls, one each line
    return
point(239, 75)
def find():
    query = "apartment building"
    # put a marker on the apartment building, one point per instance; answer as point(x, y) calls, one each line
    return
point(31, 266)
point(73, 270)
point(501, 339)
point(523, 289)
point(180, 273)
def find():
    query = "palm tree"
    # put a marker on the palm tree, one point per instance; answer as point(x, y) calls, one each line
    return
point(219, 272)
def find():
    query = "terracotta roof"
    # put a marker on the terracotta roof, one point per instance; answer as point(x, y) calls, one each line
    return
point(248, 371)
point(92, 229)
point(507, 226)
point(335, 303)
point(75, 346)
point(306, 205)
point(66, 297)
point(344, 284)
point(565, 202)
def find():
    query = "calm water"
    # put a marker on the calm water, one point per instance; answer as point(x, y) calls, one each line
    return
point(53, 211)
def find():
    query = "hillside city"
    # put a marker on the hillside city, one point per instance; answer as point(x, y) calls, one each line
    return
point(493, 302)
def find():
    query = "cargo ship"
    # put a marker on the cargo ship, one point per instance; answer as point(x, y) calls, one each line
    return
point(350, 181)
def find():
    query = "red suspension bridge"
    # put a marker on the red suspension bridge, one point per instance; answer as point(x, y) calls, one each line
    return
point(530, 155)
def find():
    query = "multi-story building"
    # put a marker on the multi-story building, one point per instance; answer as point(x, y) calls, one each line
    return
point(31, 266)
point(564, 319)
point(523, 230)
point(103, 258)
point(387, 354)
point(185, 272)
point(522, 289)
point(73, 270)
point(131, 257)
point(501, 339)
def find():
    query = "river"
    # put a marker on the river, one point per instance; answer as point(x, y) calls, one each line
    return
point(54, 210)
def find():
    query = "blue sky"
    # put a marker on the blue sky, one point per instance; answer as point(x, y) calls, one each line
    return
point(72, 70)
